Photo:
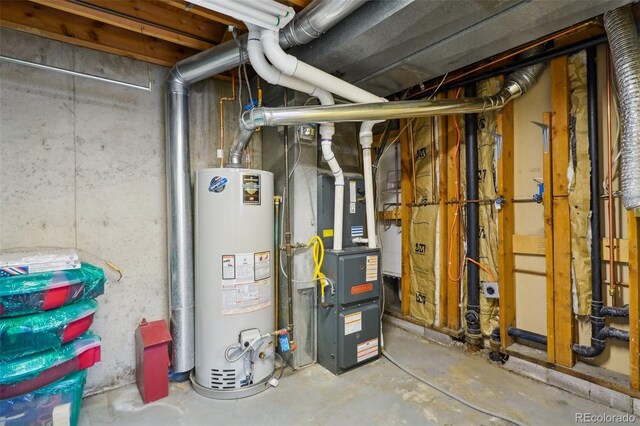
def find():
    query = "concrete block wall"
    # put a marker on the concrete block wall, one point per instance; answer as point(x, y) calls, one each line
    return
point(82, 164)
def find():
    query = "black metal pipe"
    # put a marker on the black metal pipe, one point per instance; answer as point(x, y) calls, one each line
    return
point(555, 53)
point(598, 343)
point(518, 333)
point(527, 335)
point(472, 316)
point(610, 311)
point(597, 320)
point(599, 333)
point(496, 347)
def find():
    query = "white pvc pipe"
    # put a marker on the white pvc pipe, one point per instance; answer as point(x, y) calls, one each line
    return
point(366, 141)
point(327, 130)
point(290, 65)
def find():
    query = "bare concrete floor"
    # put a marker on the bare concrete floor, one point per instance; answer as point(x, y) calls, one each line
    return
point(378, 393)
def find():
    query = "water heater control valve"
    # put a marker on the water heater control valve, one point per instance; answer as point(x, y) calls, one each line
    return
point(250, 338)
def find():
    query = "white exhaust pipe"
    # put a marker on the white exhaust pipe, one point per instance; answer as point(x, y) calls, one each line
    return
point(273, 76)
point(290, 65)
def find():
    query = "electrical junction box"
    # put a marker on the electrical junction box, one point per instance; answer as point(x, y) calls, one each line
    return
point(353, 222)
point(349, 329)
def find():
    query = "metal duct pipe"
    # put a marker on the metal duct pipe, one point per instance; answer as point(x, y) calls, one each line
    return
point(179, 211)
point(315, 20)
point(515, 85)
point(625, 51)
point(472, 316)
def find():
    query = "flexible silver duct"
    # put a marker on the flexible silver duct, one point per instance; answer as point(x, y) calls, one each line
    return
point(326, 13)
point(625, 52)
point(516, 84)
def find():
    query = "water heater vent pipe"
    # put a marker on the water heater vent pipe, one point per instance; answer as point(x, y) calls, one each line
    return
point(290, 65)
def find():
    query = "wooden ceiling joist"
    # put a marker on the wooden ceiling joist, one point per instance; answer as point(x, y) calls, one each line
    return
point(55, 24)
point(161, 14)
point(205, 13)
point(127, 24)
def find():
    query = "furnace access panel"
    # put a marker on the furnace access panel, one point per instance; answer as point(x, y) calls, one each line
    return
point(349, 329)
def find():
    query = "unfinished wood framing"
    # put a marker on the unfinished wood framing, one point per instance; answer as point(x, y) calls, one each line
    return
point(452, 236)
point(533, 245)
point(406, 191)
point(125, 23)
point(563, 301)
point(443, 299)
point(506, 226)
point(634, 300)
point(55, 24)
point(205, 13)
point(547, 200)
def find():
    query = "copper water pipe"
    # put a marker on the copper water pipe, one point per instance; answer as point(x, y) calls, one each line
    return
point(221, 112)
point(249, 151)
point(612, 269)
point(433, 159)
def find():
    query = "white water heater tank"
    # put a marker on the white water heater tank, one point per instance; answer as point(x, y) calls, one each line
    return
point(234, 293)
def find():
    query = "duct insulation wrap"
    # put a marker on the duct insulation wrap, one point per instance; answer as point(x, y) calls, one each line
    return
point(234, 290)
point(625, 53)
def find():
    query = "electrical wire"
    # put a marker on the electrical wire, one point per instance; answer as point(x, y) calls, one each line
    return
point(282, 365)
point(450, 394)
point(456, 159)
point(296, 141)
point(457, 213)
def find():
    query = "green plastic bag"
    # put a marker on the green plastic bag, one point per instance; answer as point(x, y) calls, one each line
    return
point(30, 334)
point(33, 372)
point(28, 294)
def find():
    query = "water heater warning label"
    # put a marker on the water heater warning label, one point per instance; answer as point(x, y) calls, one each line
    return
point(229, 267)
point(246, 283)
point(262, 261)
point(251, 189)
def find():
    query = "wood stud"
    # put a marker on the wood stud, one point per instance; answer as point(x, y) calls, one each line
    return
point(506, 226)
point(562, 296)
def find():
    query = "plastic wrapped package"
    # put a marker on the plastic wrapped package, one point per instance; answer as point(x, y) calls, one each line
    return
point(33, 372)
point(32, 261)
point(30, 334)
point(27, 294)
point(57, 403)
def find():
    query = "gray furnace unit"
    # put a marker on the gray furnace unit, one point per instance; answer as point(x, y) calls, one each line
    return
point(349, 323)
point(353, 215)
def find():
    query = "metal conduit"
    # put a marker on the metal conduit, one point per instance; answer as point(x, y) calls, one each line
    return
point(322, 14)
